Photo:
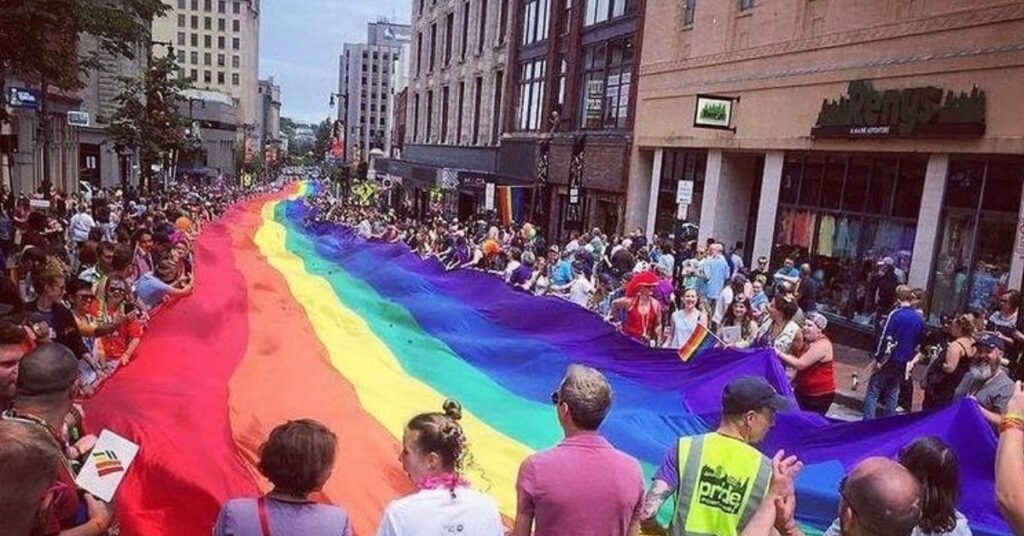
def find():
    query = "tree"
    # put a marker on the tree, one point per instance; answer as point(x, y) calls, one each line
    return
point(147, 116)
point(322, 142)
point(38, 38)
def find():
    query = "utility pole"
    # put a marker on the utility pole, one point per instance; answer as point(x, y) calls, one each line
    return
point(44, 126)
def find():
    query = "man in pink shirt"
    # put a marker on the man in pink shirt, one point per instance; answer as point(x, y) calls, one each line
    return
point(583, 486)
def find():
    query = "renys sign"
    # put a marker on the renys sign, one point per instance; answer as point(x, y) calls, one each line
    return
point(919, 112)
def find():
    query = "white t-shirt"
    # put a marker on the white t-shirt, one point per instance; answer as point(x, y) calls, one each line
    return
point(579, 292)
point(433, 512)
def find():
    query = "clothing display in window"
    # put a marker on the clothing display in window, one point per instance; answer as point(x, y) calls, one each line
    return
point(826, 235)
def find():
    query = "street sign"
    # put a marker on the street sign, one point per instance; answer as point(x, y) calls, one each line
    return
point(20, 97)
point(684, 193)
point(78, 119)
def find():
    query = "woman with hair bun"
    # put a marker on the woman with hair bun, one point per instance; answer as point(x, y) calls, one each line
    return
point(433, 453)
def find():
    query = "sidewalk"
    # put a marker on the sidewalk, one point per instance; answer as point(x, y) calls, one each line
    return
point(849, 402)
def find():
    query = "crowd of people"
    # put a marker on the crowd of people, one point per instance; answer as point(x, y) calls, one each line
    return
point(86, 275)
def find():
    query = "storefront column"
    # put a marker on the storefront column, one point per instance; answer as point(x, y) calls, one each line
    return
point(652, 203)
point(768, 205)
point(641, 172)
point(928, 219)
point(1016, 261)
point(709, 202)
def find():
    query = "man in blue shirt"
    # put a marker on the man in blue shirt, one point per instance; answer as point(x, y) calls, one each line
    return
point(715, 272)
point(562, 273)
point(897, 346)
point(788, 273)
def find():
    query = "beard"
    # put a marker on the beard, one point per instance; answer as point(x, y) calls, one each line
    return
point(982, 372)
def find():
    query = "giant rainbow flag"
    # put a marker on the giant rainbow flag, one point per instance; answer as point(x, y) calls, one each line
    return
point(289, 321)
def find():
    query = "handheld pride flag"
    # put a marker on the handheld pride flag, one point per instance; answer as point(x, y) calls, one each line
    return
point(701, 339)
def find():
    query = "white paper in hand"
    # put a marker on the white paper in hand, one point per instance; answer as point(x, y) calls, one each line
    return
point(106, 466)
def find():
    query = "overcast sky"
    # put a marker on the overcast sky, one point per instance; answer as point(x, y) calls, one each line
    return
point(300, 41)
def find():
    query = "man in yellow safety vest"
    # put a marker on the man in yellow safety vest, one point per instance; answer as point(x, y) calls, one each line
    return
point(718, 478)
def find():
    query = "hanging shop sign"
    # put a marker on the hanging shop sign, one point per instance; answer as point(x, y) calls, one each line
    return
point(78, 119)
point(714, 111)
point(20, 97)
point(574, 209)
point(917, 112)
point(489, 196)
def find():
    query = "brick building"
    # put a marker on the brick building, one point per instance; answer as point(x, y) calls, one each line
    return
point(851, 134)
point(571, 78)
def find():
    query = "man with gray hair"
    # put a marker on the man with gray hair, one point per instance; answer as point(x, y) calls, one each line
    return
point(583, 485)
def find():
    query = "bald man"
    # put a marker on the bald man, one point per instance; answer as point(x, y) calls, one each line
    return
point(878, 497)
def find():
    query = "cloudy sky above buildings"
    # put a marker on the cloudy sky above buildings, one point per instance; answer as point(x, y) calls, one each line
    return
point(300, 41)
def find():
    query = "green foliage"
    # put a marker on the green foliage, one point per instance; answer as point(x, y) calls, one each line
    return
point(39, 38)
point(147, 114)
point(713, 112)
point(322, 143)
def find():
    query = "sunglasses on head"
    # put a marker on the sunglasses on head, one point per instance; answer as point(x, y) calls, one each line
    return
point(555, 398)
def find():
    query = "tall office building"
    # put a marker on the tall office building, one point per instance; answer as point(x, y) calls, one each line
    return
point(370, 75)
point(217, 46)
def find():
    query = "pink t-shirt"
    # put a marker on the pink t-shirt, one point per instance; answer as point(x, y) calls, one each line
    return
point(582, 487)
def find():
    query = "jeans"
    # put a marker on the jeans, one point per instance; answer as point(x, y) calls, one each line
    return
point(884, 385)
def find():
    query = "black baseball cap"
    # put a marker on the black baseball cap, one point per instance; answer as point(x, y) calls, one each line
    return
point(751, 393)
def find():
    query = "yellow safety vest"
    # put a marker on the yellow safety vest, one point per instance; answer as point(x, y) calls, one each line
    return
point(721, 483)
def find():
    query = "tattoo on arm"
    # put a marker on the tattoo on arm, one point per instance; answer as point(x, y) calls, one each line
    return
point(653, 499)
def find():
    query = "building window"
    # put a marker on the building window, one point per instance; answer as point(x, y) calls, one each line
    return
point(419, 53)
point(478, 89)
point(689, 9)
point(416, 116)
point(433, 45)
point(220, 77)
point(181, 56)
point(207, 5)
point(499, 86)
point(207, 59)
point(482, 27)
point(849, 214)
point(181, 4)
point(222, 6)
point(596, 11)
point(194, 75)
point(503, 20)
point(459, 111)
point(207, 23)
point(207, 76)
point(181, 21)
point(536, 15)
point(181, 38)
point(222, 25)
point(221, 42)
point(465, 31)
point(194, 58)
point(449, 29)
point(235, 43)
point(430, 116)
point(236, 25)
point(607, 80)
point(235, 61)
point(194, 22)
point(444, 114)
point(207, 41)
point(746, 4)
point(531, 94)
point(194, 39)
point(236, 8)
point(220, 60)
point(195, 7)
point(977, 234)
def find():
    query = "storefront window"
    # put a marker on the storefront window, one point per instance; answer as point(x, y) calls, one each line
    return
point(845, 215)
point(677, 166)
point(979, 225)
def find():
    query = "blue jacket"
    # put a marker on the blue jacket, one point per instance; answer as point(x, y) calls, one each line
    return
point(903, 329)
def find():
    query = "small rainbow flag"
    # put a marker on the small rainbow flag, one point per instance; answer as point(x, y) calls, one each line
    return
point(107, 463)
point(701, 339)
